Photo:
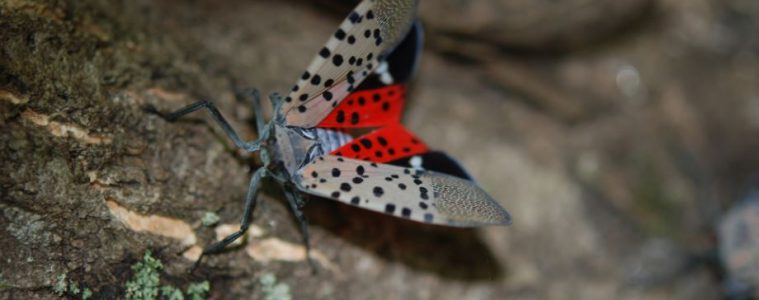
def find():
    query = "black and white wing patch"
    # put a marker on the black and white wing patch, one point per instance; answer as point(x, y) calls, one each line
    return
point(370, 32)
point(427, 197)
point(435, 161)
point(401, 64)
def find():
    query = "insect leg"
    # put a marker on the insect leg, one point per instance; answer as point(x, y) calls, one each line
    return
point(260, 124)
point(256, 97)
point(250, 204)
point(275, 99)
point(173, 116)
point(295, 199)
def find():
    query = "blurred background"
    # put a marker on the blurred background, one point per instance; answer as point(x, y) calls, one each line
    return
point(622, 135)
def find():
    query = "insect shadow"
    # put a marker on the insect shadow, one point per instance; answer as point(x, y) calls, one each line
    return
point(450, 252)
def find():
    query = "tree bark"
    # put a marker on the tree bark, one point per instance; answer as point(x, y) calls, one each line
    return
point(594, 172)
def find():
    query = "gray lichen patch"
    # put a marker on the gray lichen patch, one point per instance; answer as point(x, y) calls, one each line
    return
point(28, 228)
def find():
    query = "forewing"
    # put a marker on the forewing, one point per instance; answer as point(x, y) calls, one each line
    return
point(378, 101)
point(427, 197)
point(349, 56)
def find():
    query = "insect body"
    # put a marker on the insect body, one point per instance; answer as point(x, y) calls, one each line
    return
point(306, 149)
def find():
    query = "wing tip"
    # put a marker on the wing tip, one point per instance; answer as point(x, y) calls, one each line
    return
point(505, 215)
point(506, 220)
point(503, 218)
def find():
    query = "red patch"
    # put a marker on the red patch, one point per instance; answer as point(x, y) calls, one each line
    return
point(383, 145)
point(368, 108)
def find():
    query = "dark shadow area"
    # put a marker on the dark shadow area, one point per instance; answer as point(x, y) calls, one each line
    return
point(446, 251)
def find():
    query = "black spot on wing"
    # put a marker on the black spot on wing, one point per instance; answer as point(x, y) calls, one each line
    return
point(337, 60)
point(324, 53)
point(340, 34)
point(354, 17)
point(423, 193)
point(340, 117)
point(316, 79)
point(366, 142)
point(428, 217)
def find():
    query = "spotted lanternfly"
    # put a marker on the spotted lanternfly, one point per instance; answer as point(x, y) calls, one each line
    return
point(356, 81)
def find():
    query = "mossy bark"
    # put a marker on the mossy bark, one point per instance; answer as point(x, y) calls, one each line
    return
point(73, 76)
point(598, 166)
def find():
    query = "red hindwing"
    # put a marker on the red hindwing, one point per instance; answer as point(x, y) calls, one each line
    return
point(368, 108)
point(383, 145)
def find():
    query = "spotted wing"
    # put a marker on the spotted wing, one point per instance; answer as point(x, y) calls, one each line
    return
point(378, 101)
point(383, 145)
point(368, 108)
point(427, 197)
point(370, 32)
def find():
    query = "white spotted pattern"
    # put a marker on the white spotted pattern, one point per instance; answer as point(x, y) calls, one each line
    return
point(427, 197)
point(383, 70)
point(370, 32)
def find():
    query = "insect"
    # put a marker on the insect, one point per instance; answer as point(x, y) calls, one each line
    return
point(307, 149)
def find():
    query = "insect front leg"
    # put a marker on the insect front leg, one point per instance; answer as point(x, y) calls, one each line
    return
point(255, 96)
point(250, 204)
point(260, 124)
point(295, 199)
point(231, 133)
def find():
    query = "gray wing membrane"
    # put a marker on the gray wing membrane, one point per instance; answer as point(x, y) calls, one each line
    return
point(427, 197)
